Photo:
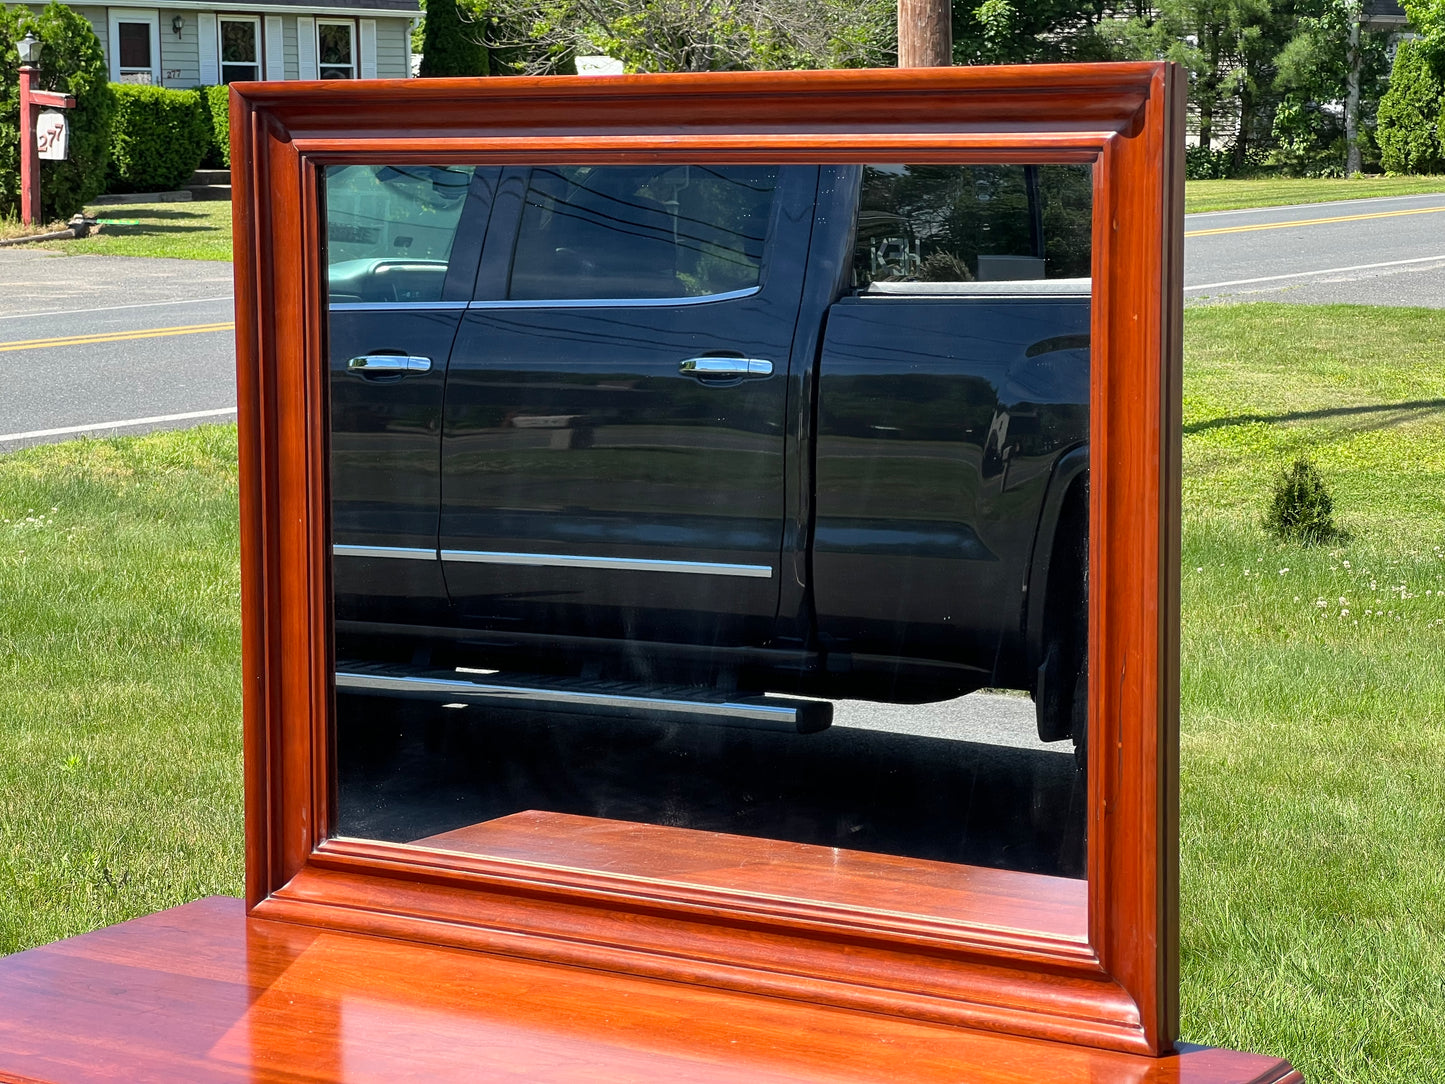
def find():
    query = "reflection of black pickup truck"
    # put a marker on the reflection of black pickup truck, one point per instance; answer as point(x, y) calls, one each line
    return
point(745, 429)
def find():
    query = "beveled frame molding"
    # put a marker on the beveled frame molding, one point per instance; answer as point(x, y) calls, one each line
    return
point(1119, 988)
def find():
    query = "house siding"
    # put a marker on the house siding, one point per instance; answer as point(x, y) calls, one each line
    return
point(288, 31)
point(392, 55)
point(180, 55)
point(180, 59)
point(97, 20)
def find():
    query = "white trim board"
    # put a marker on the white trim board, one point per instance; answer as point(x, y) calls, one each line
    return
point(150, 16)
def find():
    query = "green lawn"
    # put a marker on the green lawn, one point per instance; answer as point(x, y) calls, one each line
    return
point(196, 230)
point(1281, 191)
point(120, 779)
point(1313, 688)
point(1313, 693)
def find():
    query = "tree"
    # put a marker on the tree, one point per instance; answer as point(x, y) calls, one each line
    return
point(1025, 31)
point(545, 36)
point(1265, 75)
point(1315, 72)
point(1410, 114)
point(453, 39)
point(1427, 17)
point(72, 63)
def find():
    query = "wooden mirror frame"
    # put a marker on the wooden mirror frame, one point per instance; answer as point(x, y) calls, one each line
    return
point(1118, 989)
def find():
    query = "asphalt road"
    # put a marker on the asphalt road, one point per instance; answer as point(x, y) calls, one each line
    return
point(97, 344)
point(1366, 252)
point(106, 344)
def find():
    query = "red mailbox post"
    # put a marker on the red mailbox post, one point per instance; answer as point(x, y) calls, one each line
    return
point(31, 102)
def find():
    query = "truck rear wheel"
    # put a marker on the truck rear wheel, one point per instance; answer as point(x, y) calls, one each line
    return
point(1061, 691)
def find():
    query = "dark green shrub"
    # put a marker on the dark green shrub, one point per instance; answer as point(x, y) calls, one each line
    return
point(1408, 124)
point(159, 137)
point(9, 117)
point(452, 39)
point(1204, 164)
point(1308, 141)
point(1301, 509)
point(217, 108)
point(72, 63)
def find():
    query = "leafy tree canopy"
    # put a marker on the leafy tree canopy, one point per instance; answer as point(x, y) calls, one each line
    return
point(545, 36)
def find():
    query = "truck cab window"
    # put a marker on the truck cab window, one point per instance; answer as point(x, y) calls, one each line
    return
point(389, 230)
point(950, 223)
point(620, 232)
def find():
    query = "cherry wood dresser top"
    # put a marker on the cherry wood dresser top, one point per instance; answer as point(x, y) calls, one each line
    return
point(202, 993)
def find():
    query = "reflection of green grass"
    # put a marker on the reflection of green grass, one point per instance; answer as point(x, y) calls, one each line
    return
point(1313, 692)
point(1280, 191)
point(199, 230)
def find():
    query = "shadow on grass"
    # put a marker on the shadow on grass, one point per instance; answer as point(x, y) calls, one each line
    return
point(146, 230)
point(1419, 406)
point(123, 221)
point(120, 209)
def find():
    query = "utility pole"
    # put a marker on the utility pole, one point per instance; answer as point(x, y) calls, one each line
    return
point(925, 33)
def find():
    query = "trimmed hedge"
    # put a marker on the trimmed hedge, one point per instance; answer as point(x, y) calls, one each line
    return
point(9, 117)
point(72, 63)
point(158, 139)
point(217, 101)
point(1409, 118)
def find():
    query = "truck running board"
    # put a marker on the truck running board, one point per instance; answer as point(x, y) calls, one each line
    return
point(533, 692)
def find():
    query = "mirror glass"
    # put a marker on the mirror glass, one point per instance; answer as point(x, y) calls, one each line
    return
point(680, 514)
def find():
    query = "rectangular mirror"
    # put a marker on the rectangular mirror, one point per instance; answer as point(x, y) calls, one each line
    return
point(689, 519)
point(572, 624)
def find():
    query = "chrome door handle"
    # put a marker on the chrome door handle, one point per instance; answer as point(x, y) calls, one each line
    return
point(726, 368)
point(388, 365)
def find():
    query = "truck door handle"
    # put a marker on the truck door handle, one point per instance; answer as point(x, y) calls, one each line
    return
point(387, 365)
point(725, 368)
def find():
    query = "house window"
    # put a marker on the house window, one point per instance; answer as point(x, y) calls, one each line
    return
point(240, 48)
point(134, 46)
point(336, 50)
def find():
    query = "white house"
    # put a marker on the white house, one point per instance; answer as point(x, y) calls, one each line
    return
point(190, 42)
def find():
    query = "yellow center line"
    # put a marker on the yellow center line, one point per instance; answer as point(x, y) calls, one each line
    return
point(1313, 221)
point(115, 336)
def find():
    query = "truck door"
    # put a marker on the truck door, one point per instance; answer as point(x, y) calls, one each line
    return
point(615, 421)
point(953, 379)
point(402, 250)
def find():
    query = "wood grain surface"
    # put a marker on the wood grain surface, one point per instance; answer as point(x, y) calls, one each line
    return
point(202, 994)
point(827, 876)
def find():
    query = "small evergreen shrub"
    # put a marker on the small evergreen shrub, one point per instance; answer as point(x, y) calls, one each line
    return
point(159, 138)
point(72, 63)
point(1301, 509)
point(1409, 116)
point(217, 109)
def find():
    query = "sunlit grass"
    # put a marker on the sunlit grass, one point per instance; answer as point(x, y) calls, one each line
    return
point(193, 230)
point(1312, 705)
point(1313, 693)
point(119, 660)
point(1280, 191)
